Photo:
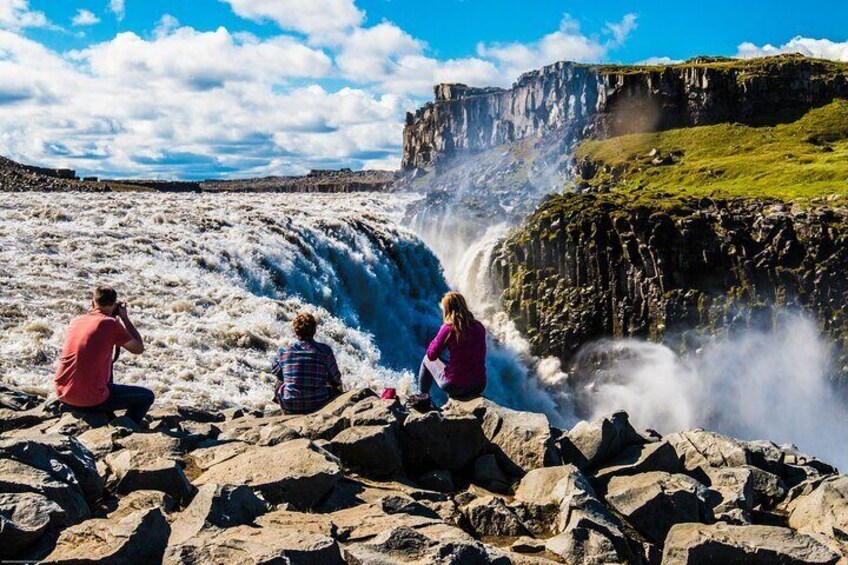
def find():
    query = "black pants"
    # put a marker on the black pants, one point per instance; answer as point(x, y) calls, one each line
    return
point(136, 400)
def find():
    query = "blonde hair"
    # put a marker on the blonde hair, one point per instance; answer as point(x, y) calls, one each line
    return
point(456, 313)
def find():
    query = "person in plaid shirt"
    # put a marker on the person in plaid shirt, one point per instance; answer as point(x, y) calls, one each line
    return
point(308, 375)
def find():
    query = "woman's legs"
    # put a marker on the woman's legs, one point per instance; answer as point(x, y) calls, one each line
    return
point(430, 372)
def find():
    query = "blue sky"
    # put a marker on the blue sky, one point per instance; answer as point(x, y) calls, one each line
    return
point(217, 88)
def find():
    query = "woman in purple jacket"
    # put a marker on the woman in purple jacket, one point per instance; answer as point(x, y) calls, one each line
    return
point(463, 375)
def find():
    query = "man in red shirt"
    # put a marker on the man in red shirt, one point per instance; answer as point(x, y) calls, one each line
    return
point(84, 378)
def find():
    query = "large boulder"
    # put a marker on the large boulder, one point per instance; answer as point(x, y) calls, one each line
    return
point(24, 518)
point(489, 516)
point(217, 506)
point(65, 458)
point(139, 538)
point(654, 502)
point(248, 545)
point(561, 501)
point(17, 477)
point(405, 545)
point(443, 441)
point(637, 459)
point(144, 470)
point(295, 472)
point(689, 544)
point(522, 441)
point(700, 450)
point(593, 444)
point(258, 431)
point(731, 494)
point(373, 450)
point(824, 510)
point(373, 411)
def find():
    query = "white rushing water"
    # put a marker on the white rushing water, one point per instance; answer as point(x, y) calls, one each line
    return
point(212, 282)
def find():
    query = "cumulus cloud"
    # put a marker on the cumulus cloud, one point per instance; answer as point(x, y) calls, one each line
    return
point(658, 61)
point(183, 102)
point(85, 18)
point(16, 14)
point(118, 7)
point(568, 43)
point(820, 48)
point(324, 19)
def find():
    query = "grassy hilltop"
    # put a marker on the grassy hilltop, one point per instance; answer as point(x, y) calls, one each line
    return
point(803, 160)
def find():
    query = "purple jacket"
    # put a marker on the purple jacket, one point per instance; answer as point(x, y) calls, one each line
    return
point(467, 364)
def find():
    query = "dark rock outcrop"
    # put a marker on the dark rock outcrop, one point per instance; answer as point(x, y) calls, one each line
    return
point(585, 267)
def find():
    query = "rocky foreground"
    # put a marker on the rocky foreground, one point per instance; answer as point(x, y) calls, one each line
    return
point(370, 481)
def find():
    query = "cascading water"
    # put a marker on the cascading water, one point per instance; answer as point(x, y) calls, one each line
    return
point(212, 282)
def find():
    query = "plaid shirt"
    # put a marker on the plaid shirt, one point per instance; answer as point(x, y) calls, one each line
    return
point(306, 371)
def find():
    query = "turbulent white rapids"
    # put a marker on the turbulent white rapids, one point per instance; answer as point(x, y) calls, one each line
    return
point(213, 280)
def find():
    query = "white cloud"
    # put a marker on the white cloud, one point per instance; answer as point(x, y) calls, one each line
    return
point(183, 102)
point(16, 14)
point(119, 8)
point(85, 18)
point(658, 61)
point(568, 43)
point(324, 19)
point(820, 48)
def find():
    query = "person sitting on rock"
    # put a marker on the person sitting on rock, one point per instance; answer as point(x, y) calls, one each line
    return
point(463, 376)
point(84, 380)
point(308, 375)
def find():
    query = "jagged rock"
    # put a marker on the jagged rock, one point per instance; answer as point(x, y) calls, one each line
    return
point(374, 411)
point(636, 459)
point(163, 445)
point(365, 521)
point(593, 444)
point(204, 458)
point(143, 470)
point(654, 502)
point(372, 449)
point(488, 474)
point(63, 457)
point(172, 416)
point(218, 506)
point(731, 494)
point(16, 477)
point(11, 419)
point(17, 400)
point(769, 489)
point(522, 441)
point(247, 545)
point(438, 480)
point(824, 510)
point(490, 516)
point(544, 497)
point(142, 500)
point(446, 441)
point(24, 518)
point(404, 545)
point(295, 472)
point(258, 431)
point(139, 538)
point(701, 450)
point(766, 455)
point(102, 441)
point(744, 545)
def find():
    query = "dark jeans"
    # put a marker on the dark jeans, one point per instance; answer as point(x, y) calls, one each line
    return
point(135, 400)
point(426, 379)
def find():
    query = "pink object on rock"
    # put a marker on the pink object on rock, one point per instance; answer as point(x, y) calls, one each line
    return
point(389, 394)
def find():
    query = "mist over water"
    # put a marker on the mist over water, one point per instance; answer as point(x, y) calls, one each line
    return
point(754, 384)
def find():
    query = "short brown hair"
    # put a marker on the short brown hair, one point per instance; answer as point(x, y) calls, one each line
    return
point(304, 325)
point(105, 296)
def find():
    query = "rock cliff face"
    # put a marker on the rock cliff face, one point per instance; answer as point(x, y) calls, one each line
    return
point(567, 102)
point(587, 266)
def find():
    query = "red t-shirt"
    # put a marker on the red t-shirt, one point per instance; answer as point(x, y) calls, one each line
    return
point(85, 366)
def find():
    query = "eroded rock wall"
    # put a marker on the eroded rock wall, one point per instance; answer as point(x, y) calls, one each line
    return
point(584, 267)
